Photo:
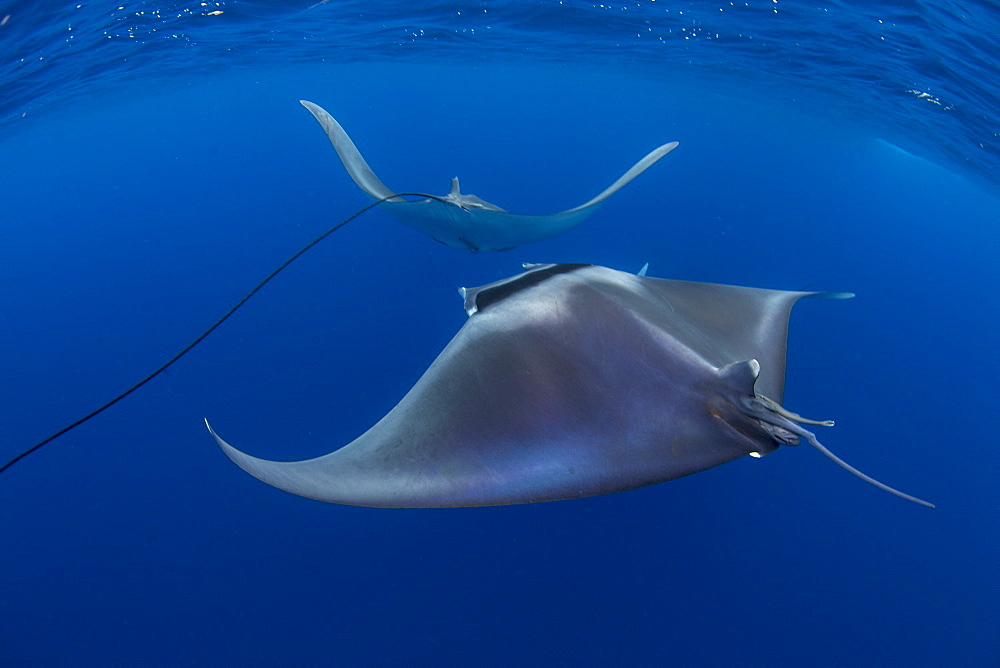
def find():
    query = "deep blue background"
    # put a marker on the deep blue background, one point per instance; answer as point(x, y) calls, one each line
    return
point(135, 218)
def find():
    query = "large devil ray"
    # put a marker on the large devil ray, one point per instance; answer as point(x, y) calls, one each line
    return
point(570, 381)
point(466, 221)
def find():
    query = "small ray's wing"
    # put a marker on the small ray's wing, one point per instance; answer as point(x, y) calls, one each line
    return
point(635, 170)
point(355, 164)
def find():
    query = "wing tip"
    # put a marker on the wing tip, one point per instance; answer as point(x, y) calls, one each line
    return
point(237, 456)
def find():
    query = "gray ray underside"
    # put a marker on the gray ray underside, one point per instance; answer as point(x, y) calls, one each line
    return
point(558, 392)
point(466, 221)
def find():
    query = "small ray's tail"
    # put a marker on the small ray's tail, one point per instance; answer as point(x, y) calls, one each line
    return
point(208, 331)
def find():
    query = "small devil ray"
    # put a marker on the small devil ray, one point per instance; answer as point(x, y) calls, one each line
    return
point(569, 381)
point(201, 337)
point(464, 220)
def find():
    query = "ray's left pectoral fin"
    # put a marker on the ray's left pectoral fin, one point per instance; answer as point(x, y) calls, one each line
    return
point(241, 459)
point(355, 164)
point(305, 478)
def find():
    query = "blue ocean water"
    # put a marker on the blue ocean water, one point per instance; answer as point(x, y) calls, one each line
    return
point(155, 164)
